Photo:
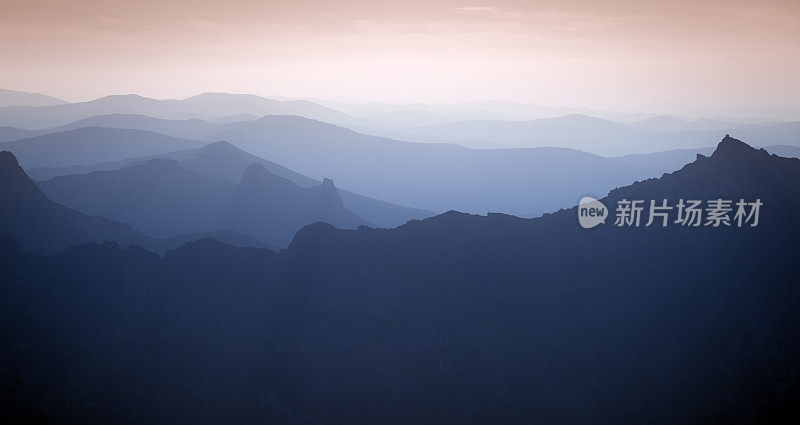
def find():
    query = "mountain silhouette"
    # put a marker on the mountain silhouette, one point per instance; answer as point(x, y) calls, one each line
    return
point(453, 319)
point(733, 170)
point(158, 197)
point(234, 118)
point(569, 131)
point(223, 161)
point(440, 176)
point(671, 124)
point(185, 128)
point(431, 176)
point(8, 134)
point(607, 138)
point(42, 225)
point(273, 208)
point(547, 316)
point(19, 98)
point(222, 236)
point(784, 151)
point(91, 145)
point(673, 160)
point(204, 106)
point(217, 160)
point(227, 104)
point(162, 199)
point(41, 117)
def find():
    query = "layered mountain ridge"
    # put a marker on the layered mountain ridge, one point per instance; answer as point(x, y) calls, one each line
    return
point(453, 319)
point(163, 199)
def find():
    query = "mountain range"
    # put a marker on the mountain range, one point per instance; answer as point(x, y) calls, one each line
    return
point(671, 124)
point(207, 105)
point(457, 318)
point(162, 199)
point(475, 124)
point(273, 209)
point(568, 131)
point(602, 137)
point(225, 162)
point(41, 225)
point(430, 177)
point(8, 134)
point(672, 160)
point(379, 168)
point(20, 98)
point(90, 145)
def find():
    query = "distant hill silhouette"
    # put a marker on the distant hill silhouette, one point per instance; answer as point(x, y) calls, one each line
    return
point(39, 224)
point(19, 98)
point(414, 117)
point(234, 118)
point(227, 104)
point(379, 168)
point(603, 137)
point(184, 128)
point(582, 132)
point(431, 176)
point(671, 124)
point(163, 199)
point(206, 106)
point(453, 319)
point(273, 208)
point(8, 134)
point(91, 145)
point(436, 177)
point(157, 197)
point(36, 118)
point(223, 161)
point(217, 160)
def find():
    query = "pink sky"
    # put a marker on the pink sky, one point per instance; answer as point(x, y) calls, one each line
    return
point(620, 54)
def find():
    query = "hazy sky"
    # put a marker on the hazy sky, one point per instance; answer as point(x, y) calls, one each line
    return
point(616, 54)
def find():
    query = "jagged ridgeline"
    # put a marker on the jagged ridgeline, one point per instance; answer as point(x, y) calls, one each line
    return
point(453, 319)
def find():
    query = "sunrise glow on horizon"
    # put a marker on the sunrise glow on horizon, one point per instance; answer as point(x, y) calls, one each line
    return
point(636, 56)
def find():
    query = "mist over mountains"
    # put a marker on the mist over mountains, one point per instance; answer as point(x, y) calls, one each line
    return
point(426, 176)
point(163, 199)
point(474, 124)
point(208, 105)
point(608, 138)
point(193, 261)
point(20, 98)
point(225, 162)
point(399, 213)
point(89, 145)
point(41, 225)
point(456, 318)
point(433, 177)
point(672, 160)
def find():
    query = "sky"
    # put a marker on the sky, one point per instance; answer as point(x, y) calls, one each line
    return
point(623, 55)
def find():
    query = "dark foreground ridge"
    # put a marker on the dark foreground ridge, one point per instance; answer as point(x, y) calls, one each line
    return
point(452, 319)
